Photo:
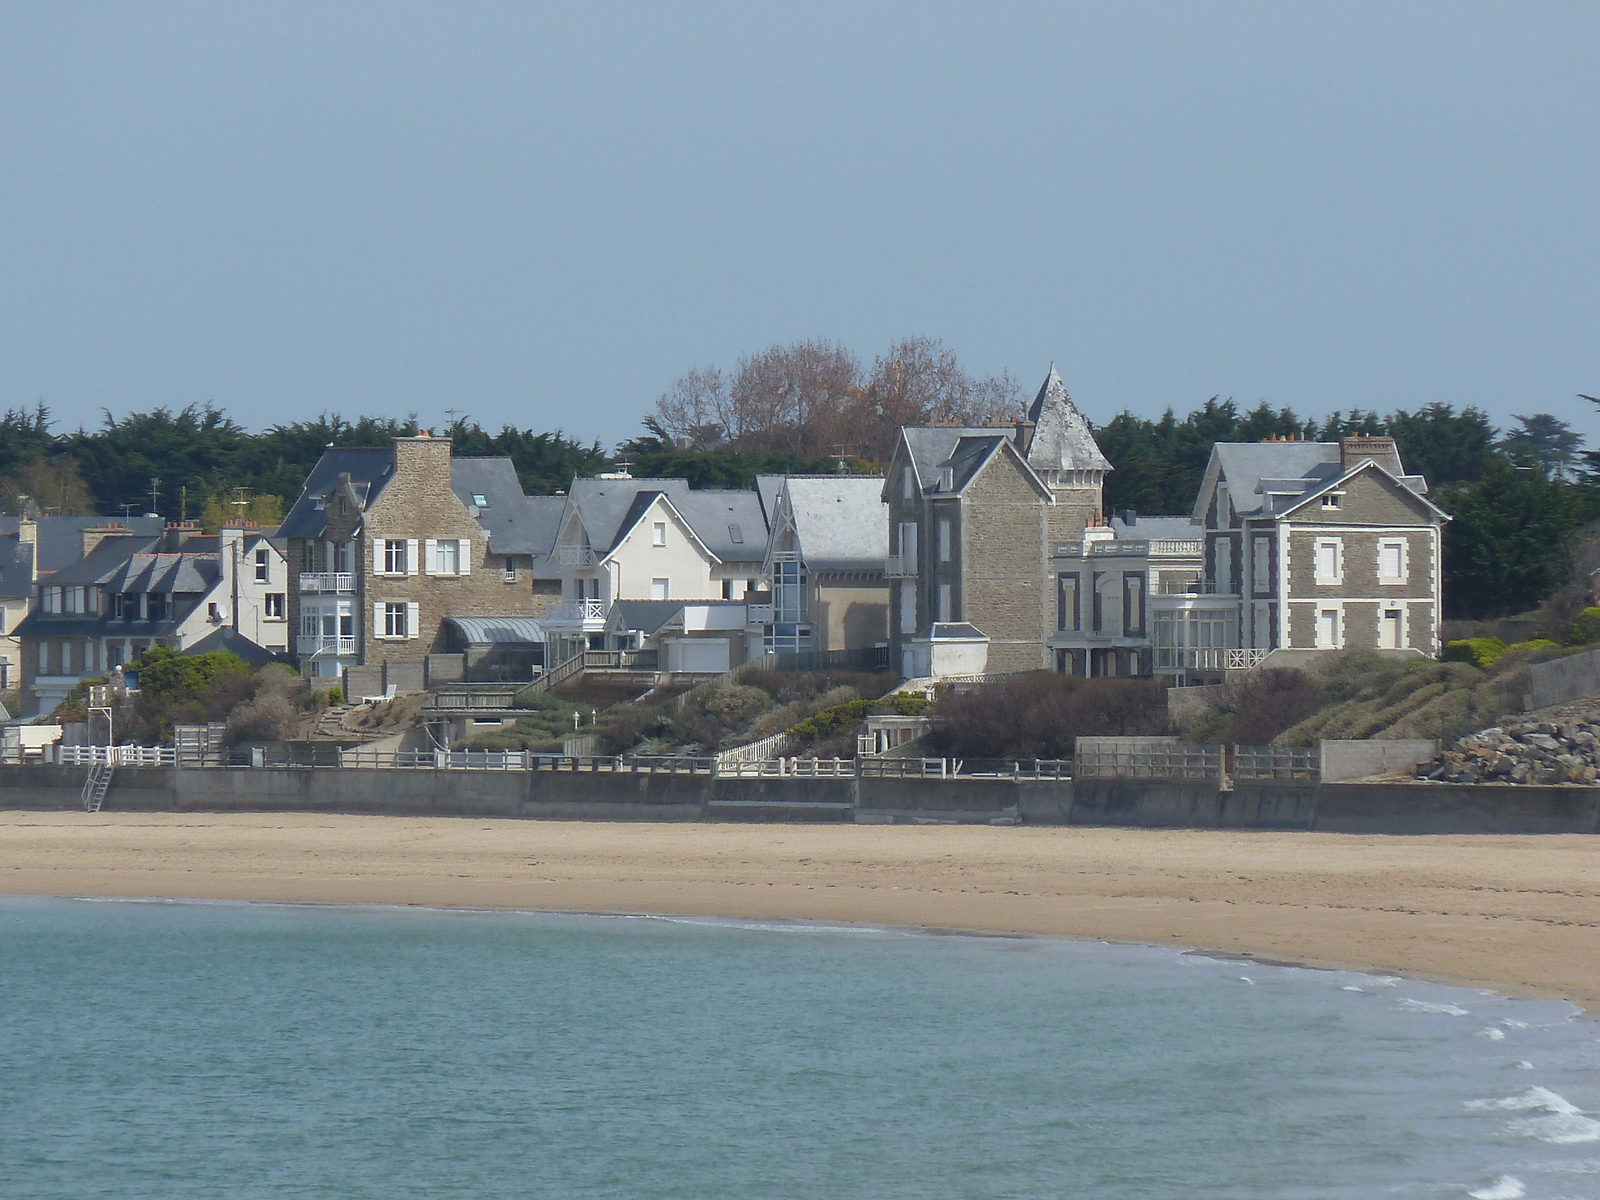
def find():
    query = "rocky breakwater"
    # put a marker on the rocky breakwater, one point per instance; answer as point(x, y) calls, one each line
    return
point(1559, 747)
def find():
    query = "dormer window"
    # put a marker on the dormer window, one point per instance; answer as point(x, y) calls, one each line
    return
point(1332, 499)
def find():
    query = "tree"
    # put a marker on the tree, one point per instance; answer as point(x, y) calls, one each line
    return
point(1443, 445)
point(54, 484)
point(222, 509)
point(1543, 441)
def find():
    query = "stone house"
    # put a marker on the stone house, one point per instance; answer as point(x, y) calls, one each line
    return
point(623, 538)
point(1310, 547)
point(827, 547)
point(974, 513)
point(385, 543)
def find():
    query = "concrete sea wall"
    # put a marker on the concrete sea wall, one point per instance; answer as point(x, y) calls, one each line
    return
point(1398, 808)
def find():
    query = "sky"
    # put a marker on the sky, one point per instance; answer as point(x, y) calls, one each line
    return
point(543, 215)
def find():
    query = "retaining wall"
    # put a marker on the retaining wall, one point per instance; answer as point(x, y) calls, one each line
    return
point(1563, 680)
point(1388, 808)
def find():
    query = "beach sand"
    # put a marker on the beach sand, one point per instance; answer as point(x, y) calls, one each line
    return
point(1516, 914)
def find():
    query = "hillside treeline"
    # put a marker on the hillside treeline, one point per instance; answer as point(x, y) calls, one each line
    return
point(1523, 500)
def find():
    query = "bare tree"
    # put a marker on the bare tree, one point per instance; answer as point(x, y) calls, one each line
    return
point(919, 381)
point(791, 398)
point(694, 406)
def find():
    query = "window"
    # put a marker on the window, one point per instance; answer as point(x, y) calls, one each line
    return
point(1261, 564)
point(1328, 629)
point(1067, 618)
point(945, 611)
point(343, 553)
point(394, 621)
point(275, 606)
point(52, 599)
point(1224, 513)
point(156, 606)
point(394, 557)
point(905, 482)
point(944, 539)
point(658, 534)
point(263, 565)
point(1097, 603)
point(736, 535)
point(790, 602)
point(908, 608)
point(66, 658)
point(447, 558)
point(1392, 560)
point(1224, 565)
point(72, 600)
point(212, 614)
point(659, 589)
point(1332, 499)
point(1329, 562)
point(480, 500)
point(308, 557)
point(510, 570)
point(44, 658)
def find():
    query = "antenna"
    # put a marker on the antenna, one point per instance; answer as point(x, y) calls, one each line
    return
point(241, 500)
point(841, 451)
point(452, 413)
point(155, 491)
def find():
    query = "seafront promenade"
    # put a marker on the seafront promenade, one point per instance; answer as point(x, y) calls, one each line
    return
point(1003, 798)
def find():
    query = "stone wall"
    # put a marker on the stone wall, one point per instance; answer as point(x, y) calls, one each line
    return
point(1004, 561)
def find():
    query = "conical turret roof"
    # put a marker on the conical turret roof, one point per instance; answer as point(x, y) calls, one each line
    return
point(1061, 437)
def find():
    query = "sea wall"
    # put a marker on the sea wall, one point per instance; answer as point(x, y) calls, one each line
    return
point(1399, 808)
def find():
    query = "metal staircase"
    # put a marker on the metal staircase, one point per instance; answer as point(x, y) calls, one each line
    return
point(96, 786)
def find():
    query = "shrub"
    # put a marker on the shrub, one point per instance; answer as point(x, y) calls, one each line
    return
point(1585, 629)
point(1479, 651)
point(336, 696)
point(1042, 715)
point(267, 718)
point(910, 704)
point(832, 720)
point(1259, 706)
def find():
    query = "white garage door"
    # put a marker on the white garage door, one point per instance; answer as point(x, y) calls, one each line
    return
point(698, 654)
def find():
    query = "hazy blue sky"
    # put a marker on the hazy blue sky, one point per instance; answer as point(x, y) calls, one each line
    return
point(543, 215)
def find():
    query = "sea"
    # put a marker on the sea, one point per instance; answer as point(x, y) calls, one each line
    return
point(166, 1049)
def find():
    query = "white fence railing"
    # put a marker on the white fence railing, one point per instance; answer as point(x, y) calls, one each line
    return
point(117, 756)
point(767, 747)
point(575, 556)
point(338, 582)
point(577, 610)
point(900, 566)
point(306, 646)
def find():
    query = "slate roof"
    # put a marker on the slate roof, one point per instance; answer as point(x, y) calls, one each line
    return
point(841, 522)
point(59, 543)
point(731, 524)
point(101, 563)
point(1267, 478)
point(16, 567)
point(1062, 440)
point(1156, 528)
point(512, 525)
point(183, 574)
point(930, 447)
point(646, 616)
point(230, 639)
point(498, 631)
point(369, 467)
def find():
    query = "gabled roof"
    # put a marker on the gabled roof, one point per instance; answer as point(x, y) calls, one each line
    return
point(227, 638)
point(1244, 465)
point(646, 616)
point(929, 447)
point(101, 563)
point(729, 524)
point(840, 522)
point(59, 541)
point(1061, 437)
point(1339, 481)
point(369, 468)
point(515, 524)
point(191, 574)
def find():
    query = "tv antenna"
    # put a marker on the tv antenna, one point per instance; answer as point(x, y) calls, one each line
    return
point(155, 492)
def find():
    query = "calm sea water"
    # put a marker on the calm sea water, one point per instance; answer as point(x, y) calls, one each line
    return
point(189, 1050)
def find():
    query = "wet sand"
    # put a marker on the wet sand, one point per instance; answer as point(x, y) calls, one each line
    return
point(1517, 914)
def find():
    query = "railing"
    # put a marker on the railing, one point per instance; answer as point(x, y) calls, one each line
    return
point(340, 582)
point(117, 756)
point(758, 614)
point(1300, 763)
point(621, 660)
point(767, 747)
point(577, 610)
point(339, 646)
point(1119, 547)
point(1245, 659)
point(452, 700)
point(1193, 587)
point(558, 674)
point(1146, 758)
point(788, 768)
point(1176, 548)
point(900, 566)
point(575, 556)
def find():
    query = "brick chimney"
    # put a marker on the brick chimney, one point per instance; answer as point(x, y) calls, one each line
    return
point(1355, 450)
point(28, 531)
point(423, 460)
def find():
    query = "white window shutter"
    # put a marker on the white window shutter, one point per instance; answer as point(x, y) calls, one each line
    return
point(413, 619)
point(464, 556)
point(411, 556)
point(377, 556)
point(430, 557)
point(377, 619)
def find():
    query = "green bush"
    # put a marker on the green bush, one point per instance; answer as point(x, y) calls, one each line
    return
point(910, 704)
point(336, 696)
point(1585, 628)
point(1531, 644)
point(829, 721)
point(1479, 651)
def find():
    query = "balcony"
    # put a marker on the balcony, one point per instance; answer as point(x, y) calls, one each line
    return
point(758, 614)
point(575, 556)
point(900, 566)
point(1176, 548)
point(578, 610)
point(311, 647)
point(1210, 658)
point(335, 583)
point(1194, 587)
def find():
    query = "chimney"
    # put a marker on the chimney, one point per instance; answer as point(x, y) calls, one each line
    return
point(28, 531)
point(424, 459)
point(89, 538)
point(1130, 518)
point(1353, 451)
point(1024, 436)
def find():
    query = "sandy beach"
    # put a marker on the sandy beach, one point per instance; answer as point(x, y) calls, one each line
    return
point(1517, 914)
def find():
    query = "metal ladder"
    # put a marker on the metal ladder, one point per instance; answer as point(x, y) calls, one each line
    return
point(96, 786)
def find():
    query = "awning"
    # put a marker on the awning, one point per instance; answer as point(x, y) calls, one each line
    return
point(498, 631)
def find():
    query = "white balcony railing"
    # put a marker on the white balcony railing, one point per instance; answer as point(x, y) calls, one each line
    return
point(1210, 658)
point(900, 566)
point(758, 614)
point(1175, 548)
point(1194, 587)
point(307, 647)
point(575, 556)
point(578, 610)
point(341, 583)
